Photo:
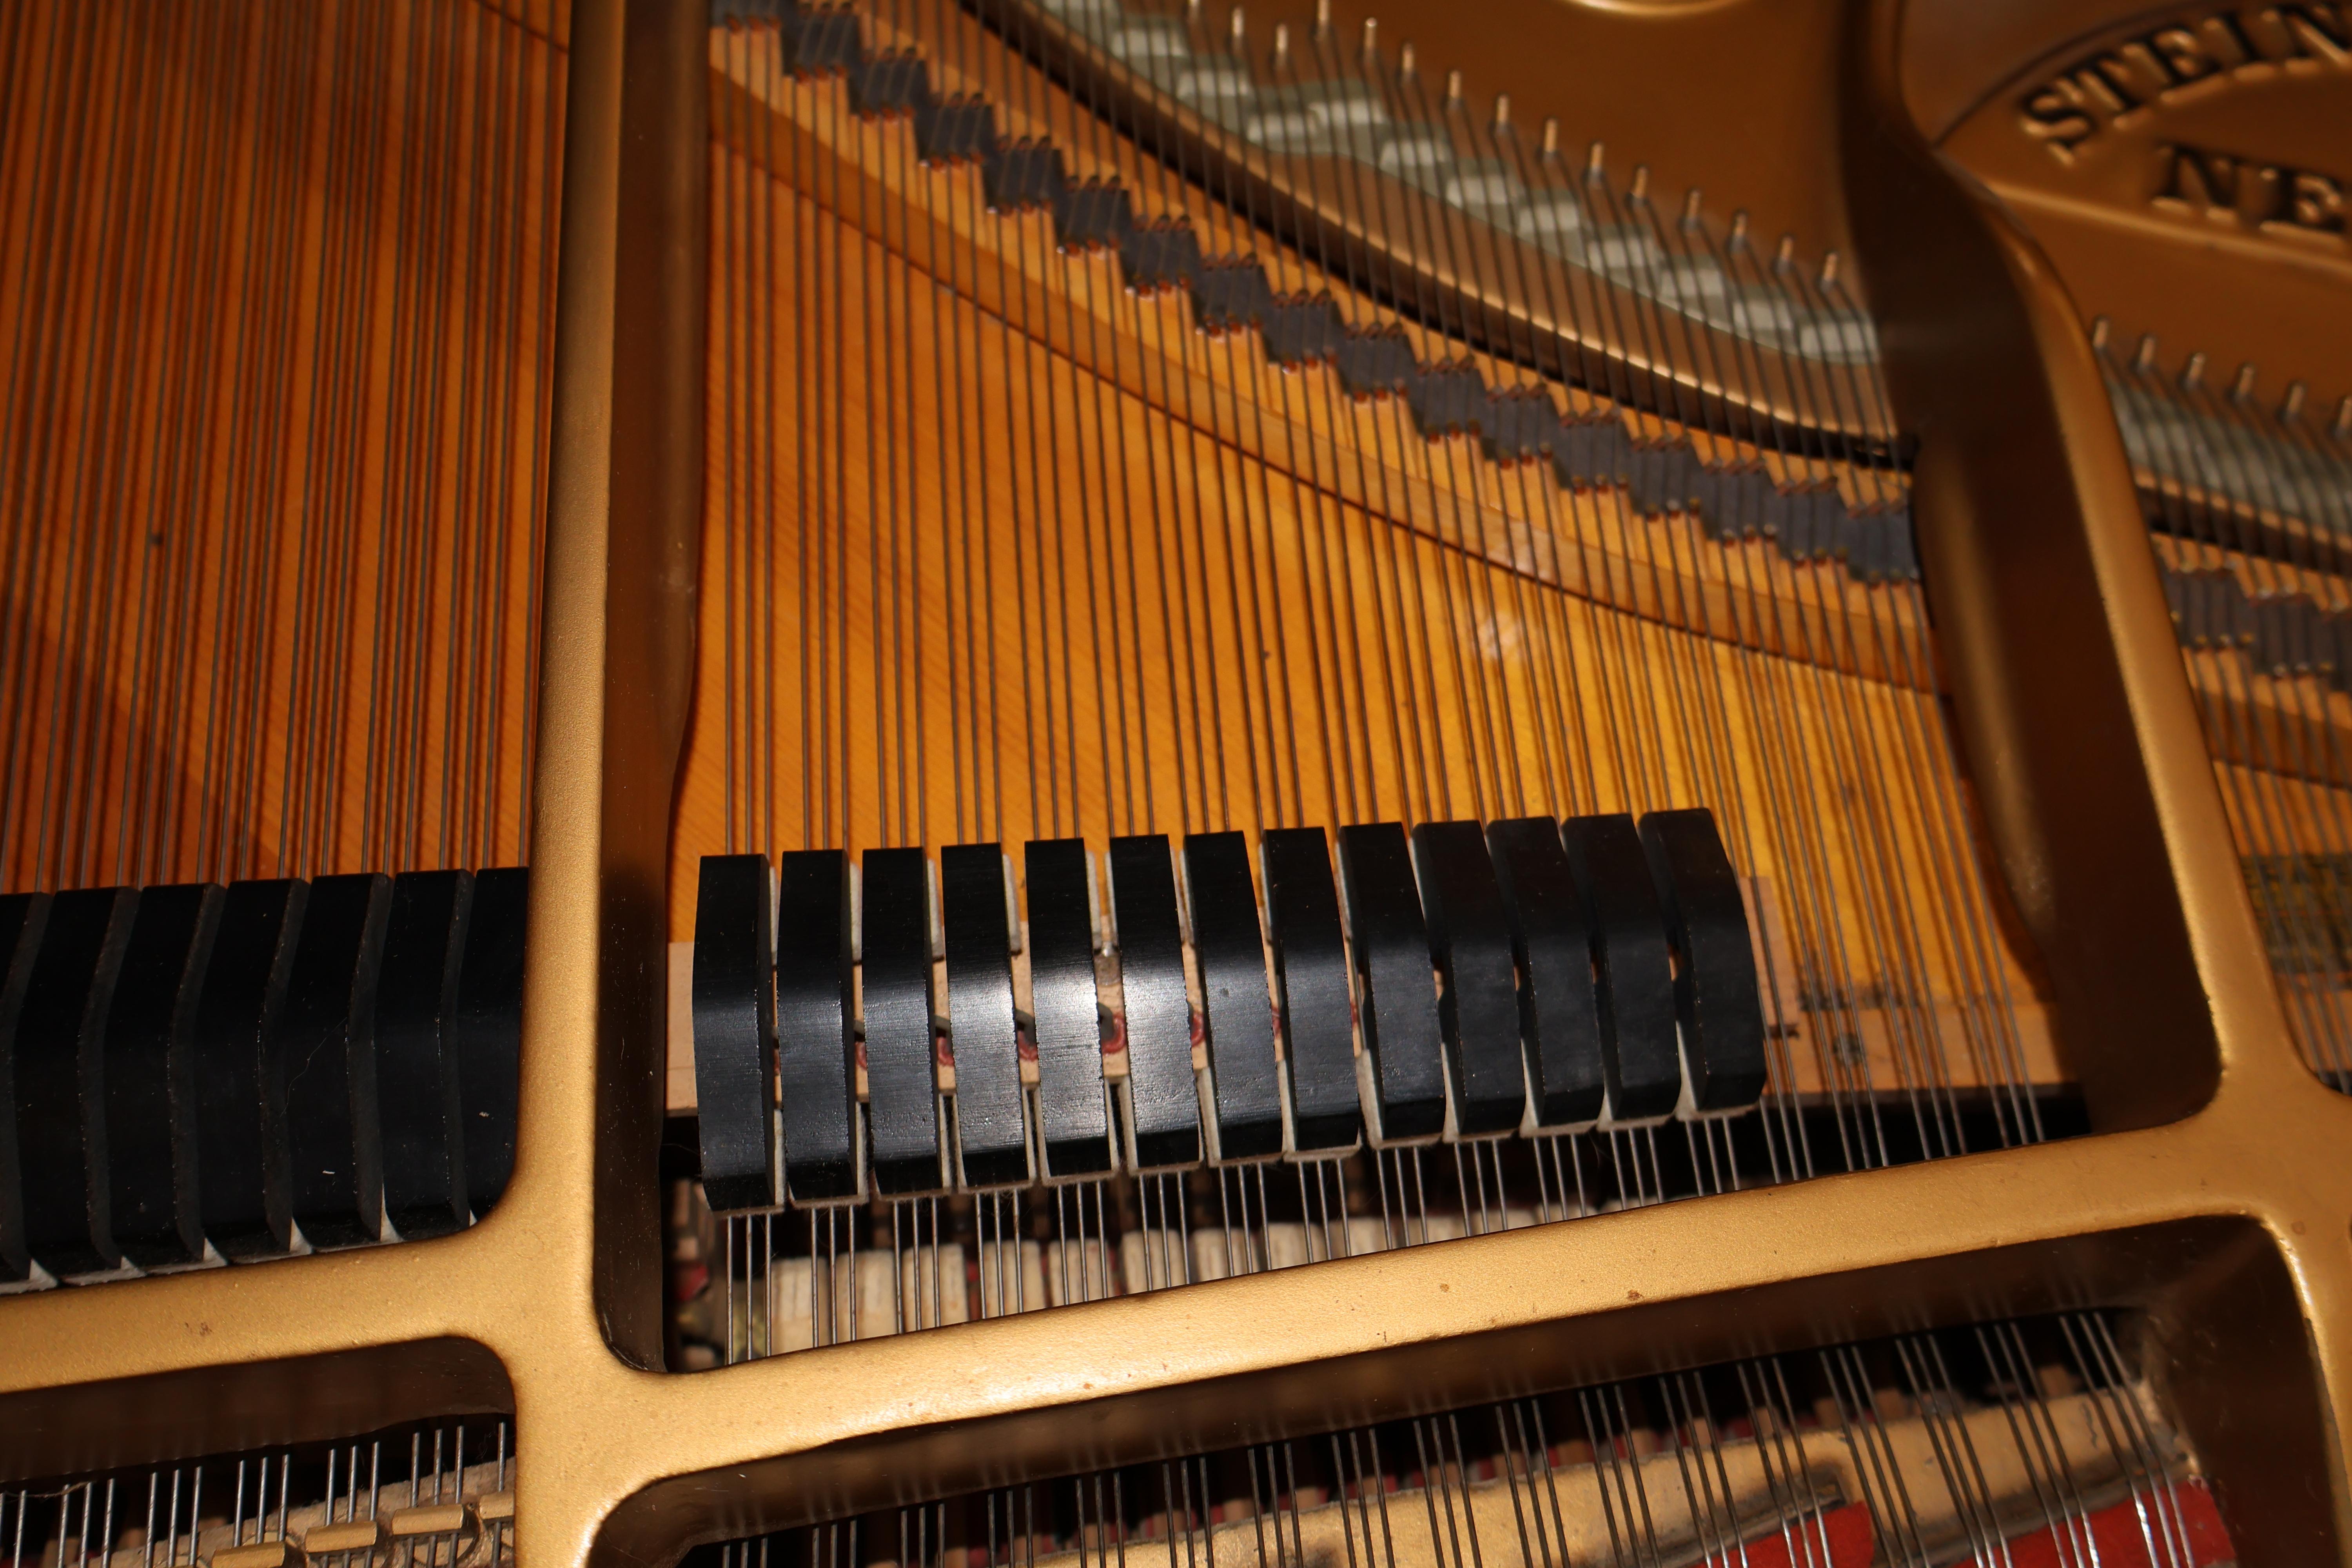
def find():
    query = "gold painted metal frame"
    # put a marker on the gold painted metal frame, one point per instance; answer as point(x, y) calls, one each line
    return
point(2216, 1197)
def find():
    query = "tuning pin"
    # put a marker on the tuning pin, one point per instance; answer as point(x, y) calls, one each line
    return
point(2144, 354)
point(1240, 29)
point(1829, 271)
point(1691, 210)
point(1502, 112)
point(1639, 191)
point(1371, 36)
point(1784, 255)
point(2242, 387)
point(2341, 430)
point(1281, 44)
point(1322, 18)
point(2100, 330)
point(1596, 164)
point(1551, 139)
point(1737, 239)
point(2192, 374)
point(1454, 89)
point(1405, 59)
point(2291, 406)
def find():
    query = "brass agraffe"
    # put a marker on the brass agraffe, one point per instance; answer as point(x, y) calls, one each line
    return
point(2215, 1192)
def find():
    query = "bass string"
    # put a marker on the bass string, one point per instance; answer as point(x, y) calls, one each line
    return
point(412, 544)
point(1192, 525)
point(1845, 866)
point(929, 552)
point(726, 308)
point(855, 783)
point(814, 683)
point(1912, 931)
point(1431, 678)
point(1423, 788)
point(381, 826)
point(1500, 268)
point(1402, 679)
point(765, 351)
point(527, 344)
point(1819, 732)
point(1984, 984)
point(354, 315)
point(1468, 626)
point(1020, 518)
point(61, 101)
point(1234, 701)
point(181, 797)
point(956, 329)
point(1048, 608)
point(891, 549)
point(256, 514)
point(462, 674)
point(1064, 516)
point(886, 633)
point(1085, 129)
point(79, 735)
point(208, 575)
point(317, 615)
point(77, 731)
point(1276, 682)
point(536, 327)
point(155, 566)
point(1825, 987)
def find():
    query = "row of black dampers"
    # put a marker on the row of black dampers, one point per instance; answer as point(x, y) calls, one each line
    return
point(1807, 521)
point(2282, 634)
point(1528, 975)
point(196, 1072)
